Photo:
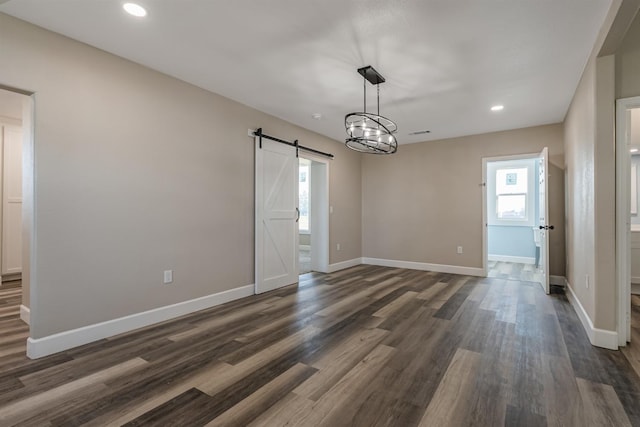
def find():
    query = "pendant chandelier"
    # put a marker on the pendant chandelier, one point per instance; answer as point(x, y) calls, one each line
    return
point(368, 132)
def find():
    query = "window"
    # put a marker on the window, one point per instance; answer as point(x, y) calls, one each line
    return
point(303, 195)
point(511, 192)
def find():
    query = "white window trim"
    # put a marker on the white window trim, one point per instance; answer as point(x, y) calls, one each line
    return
point(492, 167)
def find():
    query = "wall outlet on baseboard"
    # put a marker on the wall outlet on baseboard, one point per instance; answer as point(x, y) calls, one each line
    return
point(168, 276)
point(586, 281)
point(338, 246)
point(459, 249)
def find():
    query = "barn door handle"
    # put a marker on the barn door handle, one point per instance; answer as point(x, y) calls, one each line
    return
point(297, 214)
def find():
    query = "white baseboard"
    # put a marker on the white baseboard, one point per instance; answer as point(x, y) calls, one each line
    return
point(25, 314)
point(635, 280)
point(516, 259)
point(40, 347)
point(597, 337)
point(440, 268)
point(558, 280)
point(635, 288)
point(344, 264)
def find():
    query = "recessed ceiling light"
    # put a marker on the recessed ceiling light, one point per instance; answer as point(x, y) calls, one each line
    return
point(633, 150)
point(497, 108)
point(135, 9)
point(316, 116)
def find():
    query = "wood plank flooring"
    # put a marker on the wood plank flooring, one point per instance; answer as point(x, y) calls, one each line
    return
point(632, 352)
point(366, 346)
point(514, 271)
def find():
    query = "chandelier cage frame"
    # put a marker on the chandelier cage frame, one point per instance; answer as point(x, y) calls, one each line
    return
point(368, 132)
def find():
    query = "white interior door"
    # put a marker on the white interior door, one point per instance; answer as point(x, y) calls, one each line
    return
point(543, 213)
point(276, 254)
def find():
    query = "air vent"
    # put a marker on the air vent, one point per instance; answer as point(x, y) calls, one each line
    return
point(420, 132)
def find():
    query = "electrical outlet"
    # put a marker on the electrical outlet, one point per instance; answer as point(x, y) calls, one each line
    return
point(330, 209)
point(338, 246)
point(459, 249)
point(168, 276)
point(586, 281)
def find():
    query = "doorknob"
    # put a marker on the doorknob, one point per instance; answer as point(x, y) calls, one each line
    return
point(297, 214)
point(546, 227)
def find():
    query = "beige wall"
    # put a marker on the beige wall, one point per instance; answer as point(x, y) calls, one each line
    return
point(590, 174)
point(579, 142)
point(628, 62)
point(605, 200)
point(137, 172)
point(424, 201)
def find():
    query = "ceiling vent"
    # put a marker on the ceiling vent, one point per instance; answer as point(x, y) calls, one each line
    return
point(420, 132)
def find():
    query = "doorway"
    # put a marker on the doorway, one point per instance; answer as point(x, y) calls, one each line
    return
point(313, 225)
point(515, 212)
point(628, 220)
point(304, 204)
point(15, 138)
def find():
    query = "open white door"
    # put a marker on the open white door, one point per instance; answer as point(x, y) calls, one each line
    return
point(276, 215)
point(543, 214)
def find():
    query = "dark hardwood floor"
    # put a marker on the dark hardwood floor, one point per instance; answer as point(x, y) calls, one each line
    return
point(367, 346)
point(632, 351)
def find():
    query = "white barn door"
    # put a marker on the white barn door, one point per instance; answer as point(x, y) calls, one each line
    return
point(276, 225)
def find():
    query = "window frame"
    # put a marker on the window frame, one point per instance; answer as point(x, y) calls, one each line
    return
point(492, 196)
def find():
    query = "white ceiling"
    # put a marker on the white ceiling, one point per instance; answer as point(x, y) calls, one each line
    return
point(446, 62)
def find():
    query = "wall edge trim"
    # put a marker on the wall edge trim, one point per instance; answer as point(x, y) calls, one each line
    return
point(25, 314)
point(558, 280)
point(412, 265)
point(40, 347)
point(597, 337)
point(343, 264)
